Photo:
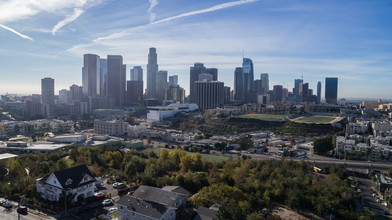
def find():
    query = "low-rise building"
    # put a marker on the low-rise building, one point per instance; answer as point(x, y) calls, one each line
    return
point(159, 113)
point(111, 127)
point(78, 181)
point(360, 127)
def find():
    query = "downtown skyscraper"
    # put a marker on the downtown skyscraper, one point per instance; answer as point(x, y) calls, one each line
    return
point(47, 91)
point(248, 79)
point(116, 79)
point(318, 92)
point(136, 73)
point(331, 90)
point(152, 69)
point(91, 72)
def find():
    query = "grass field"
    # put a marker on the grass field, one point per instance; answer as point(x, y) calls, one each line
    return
point(263, 116)
point(318, 119)
point(209, 157)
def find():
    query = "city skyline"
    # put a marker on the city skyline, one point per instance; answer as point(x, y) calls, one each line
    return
point(348, 40)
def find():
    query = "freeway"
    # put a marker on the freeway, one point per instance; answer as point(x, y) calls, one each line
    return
point(325, 161)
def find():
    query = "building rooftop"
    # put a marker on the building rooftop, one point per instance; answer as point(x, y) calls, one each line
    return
point(147, 208)
point(157, 195)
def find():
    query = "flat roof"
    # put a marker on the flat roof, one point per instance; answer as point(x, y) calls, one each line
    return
point(38, 146)
point(7, 156)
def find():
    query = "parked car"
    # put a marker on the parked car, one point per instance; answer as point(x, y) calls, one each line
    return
point(121, 185)
point(99, 194)
point(2, 201)
point(7, 205)
point(112, 210)
point(107, 202)
point(22, 210)
point(378, 199)
point(374, 194)
point(384, 204)
point(385, 212)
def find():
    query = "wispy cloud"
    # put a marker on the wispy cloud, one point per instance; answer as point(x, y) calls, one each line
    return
point(77, 12)
point(206, 10)
point(17, 33)
point(153, 3)
point(130, 30)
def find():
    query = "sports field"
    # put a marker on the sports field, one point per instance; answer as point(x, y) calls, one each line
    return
point(317, 119)
point(209, 157)
point(263, 116)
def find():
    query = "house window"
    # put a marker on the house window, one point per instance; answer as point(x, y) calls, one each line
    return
point(69, 182)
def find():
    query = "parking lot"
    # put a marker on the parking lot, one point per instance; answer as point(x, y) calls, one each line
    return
point(90, 211)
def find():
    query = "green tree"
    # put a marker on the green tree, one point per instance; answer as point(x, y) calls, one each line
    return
point(322, 145)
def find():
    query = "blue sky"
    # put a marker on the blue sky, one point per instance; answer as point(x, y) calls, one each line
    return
point(351, 40)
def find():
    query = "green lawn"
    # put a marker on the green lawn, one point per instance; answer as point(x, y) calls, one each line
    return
point(209, 157)
point(263, 116)
point(316, 119)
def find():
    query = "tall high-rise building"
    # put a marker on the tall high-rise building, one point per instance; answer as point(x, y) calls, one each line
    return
point(134, 92)
point(247, 67)
point(239, 84)
point(116, 79)
point(297, 82)
point(278, 93)
point(161, 84)
point(195, 71)
point(91, 75)
point(152, 69)
point(264, 83)
point(319, 92)
point(226, 94)
point(137, 73)
point(104, 77)
point(259, 87)
point(65, 96)
point(209, 94)
point(331, 90)
point(213, 72)
point(76, 92)
point(173, 80)
point(175, 94)
point(304, 91)
point(47, 91)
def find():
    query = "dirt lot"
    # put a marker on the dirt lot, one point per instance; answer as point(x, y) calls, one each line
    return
point(287, 214)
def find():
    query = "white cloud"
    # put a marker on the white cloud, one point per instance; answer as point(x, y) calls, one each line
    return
point(131, 30)
point(17, 33)
point(206, 10)
point(77, 12)
point(153, 3)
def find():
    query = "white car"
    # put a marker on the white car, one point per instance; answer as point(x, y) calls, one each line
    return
point(115, 185)
point(107, 202)
point(98, 194)
point(112, 210)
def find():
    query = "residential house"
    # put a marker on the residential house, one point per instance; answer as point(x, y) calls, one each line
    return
point(76, 180)
point(152, 203)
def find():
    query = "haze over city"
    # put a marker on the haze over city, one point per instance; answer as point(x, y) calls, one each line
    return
point(349, 40)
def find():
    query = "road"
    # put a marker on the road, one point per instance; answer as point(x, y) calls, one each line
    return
point(330, 161)
point(368, 200)
point(11, 214)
